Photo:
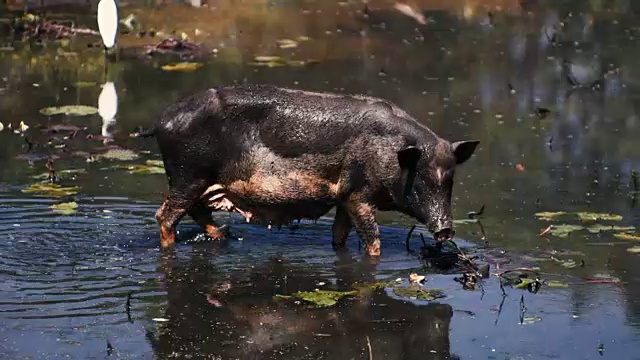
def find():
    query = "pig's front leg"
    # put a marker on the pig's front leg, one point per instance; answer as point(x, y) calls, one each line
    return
point(363, 218)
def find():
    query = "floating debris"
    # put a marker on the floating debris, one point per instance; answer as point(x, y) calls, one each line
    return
point(158, 319)
point(587, 216)
point(416, 293)
point(119, 154)
point(549, 215)
point(627, 236)
point(415, 278)
point(287, 43)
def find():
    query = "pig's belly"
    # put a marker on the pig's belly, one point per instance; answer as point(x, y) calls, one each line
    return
point(274, 200)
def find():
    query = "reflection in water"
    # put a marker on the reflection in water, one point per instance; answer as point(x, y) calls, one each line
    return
point(108, 108)
point(67, 276)
point(232, 314)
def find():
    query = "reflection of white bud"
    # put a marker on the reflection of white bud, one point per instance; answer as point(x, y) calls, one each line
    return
point(108, 107)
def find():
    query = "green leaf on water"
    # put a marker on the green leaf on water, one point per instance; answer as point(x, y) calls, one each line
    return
point(549, 216)
point(564, 230)
point(157, 163)
point(634, 249)
point(85, 84)
point(143, 169)
point(119, 154)
point(268, 58)
point(287, 43)
point(627, 236)
point(556, 284)
point(75, 110)
point(319, 298)
point(524, 283)
point(417, 293)
point(599, 228)
point(50, 190)
point(45, 176)
point(587, 216)
point(183, 66)
point(531, 320)
point(65, 208)
point(465, 221)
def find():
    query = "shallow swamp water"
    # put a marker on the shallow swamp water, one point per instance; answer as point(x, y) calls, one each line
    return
point(551, 89)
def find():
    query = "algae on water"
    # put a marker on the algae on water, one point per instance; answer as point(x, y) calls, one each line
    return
point(418, 293)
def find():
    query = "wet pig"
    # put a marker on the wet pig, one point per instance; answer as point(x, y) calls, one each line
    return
point(277, 154)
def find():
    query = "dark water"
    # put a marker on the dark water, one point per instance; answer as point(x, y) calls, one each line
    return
point(64, 279)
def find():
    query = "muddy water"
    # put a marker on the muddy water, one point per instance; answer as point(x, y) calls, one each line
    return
point(65, 278)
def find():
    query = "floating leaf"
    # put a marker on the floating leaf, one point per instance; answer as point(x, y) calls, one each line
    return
point(287, 43)
point(1, 126)
point(599, 228)
point(119, 154)
point(627, 236)
point(563, 230)
point(556, 284)
point(531, 320)
point(303, 38)
point(465, 221)
point(525, 283)
point(160, 319)
point(45, 176)
point(319, 298)
point(51, 190)
point(267, 58)
point(419, 293)
point(550, 216)
point(569, 264)
point(157, 163)
point(144, 169)
point(75, 110)
point(65, 208)
point(586, 216)
point(85, 84)
point(634, 249)
point(183, 66)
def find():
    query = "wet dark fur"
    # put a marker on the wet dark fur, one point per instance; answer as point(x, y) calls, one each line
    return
point(298, 154)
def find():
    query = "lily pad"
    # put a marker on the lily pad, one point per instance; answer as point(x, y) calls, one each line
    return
point(418, 293)
point(144, 169)
point(268, 58)
point(531, 320)
point(183, 66)
point(564, 230)
point(51, 190)
point(45, 176)
point(634, 249)
point(556, 284)
point(319, 298)
point(627, 236)
point(287, 43)
point(524, 283)
point(75, 110)
point(587, 216)
point(599, 228)
point(465, 221)
point(157, 163)
point(65, 208)
point(85, 84)
point(550, 216)
point(119, 154)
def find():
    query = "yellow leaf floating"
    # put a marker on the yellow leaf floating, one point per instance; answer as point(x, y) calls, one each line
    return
point(51, 190)
point(634, 249)
point(65, 208)
point(183, 66)
point(587, 216)
point(627, 236)
point(549, 215)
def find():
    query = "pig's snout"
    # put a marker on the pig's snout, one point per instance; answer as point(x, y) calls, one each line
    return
point(444, 234)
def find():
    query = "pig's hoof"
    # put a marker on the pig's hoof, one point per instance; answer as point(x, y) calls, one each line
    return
point(219, 233)
point(373, 250)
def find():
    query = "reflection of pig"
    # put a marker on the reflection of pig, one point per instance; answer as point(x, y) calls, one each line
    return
point(279, 154)
point(251, 325)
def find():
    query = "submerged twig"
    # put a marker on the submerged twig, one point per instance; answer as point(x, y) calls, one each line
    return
point(523, 309)
point(128, 308)
point(406, 240)
point(504, 296)
point(369, 346)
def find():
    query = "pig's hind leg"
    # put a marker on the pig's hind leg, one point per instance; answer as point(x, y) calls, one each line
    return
point(341, 227)
point(363, 217)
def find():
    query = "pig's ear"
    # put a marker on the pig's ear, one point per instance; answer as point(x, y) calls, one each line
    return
point(463, 150)
point(408, 158)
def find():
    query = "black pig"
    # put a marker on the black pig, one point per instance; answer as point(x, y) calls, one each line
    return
point(278, 154)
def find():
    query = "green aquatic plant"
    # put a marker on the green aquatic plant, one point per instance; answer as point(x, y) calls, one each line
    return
point(588, 216)
point(418, 293)
point(319, 298)
point(564, 230)
point(550, 216)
